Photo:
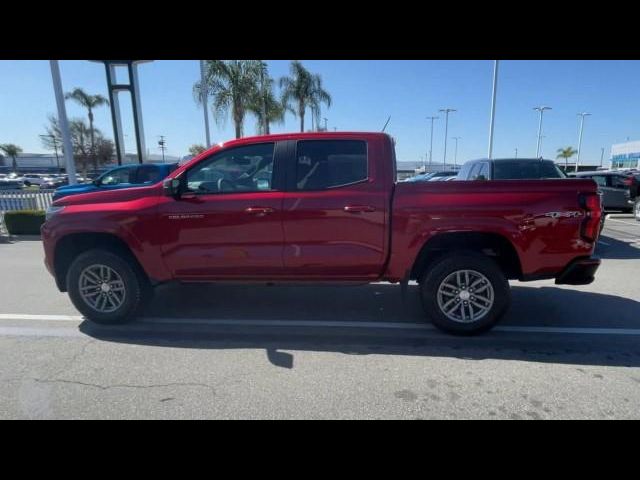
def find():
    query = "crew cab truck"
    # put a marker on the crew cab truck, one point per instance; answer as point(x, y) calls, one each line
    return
point(321, 207)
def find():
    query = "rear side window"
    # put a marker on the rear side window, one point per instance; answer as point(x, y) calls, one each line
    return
point(322, 164)
point(525, 170)
point(149, 174)
point(484, 171)
point(600, 180)
point(464, 171)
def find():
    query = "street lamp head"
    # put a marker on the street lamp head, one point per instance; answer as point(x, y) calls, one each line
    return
point(584, 114)
point(542, 108)
point(447, 110)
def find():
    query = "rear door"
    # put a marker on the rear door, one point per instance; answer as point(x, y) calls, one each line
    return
point(335, 210)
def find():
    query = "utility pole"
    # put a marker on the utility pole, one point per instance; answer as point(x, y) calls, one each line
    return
point(455, 155)
point(493, 107)
point(601, 156)
point(446, 111)
point(516, 153)
point(431, 141)
point(162, 143)
point(540, 109)
point(581, 115)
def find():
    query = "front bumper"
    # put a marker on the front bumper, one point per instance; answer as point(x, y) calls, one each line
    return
point(579, 272)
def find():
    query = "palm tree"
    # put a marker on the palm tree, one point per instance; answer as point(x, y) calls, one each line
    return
point(196, 149)
point(265, 106)
point(89, 102)
point(303, 89)
point(232, 84)
point(12, 151)
point(320, 95)
point(566, 153)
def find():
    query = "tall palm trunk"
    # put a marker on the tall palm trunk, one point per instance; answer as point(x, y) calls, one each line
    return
point(301, 114)
point(14, 164)
point(93, 141)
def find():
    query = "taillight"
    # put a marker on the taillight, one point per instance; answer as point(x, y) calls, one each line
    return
point(592, 204)
point(628, 181)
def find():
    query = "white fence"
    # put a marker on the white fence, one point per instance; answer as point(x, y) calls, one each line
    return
point(11, 200)
point(21, 200)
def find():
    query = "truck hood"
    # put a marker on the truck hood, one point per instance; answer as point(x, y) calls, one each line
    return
point(109, 196)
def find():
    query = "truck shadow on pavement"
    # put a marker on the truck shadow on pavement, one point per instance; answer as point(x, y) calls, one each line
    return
point(531, 306)
point(612, 248)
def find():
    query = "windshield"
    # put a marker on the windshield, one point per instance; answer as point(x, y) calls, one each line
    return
point(526, 170)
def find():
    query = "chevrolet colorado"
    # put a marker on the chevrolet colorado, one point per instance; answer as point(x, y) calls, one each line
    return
point(322, 207)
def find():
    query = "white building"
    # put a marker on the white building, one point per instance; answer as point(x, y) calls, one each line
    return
point(625, 155)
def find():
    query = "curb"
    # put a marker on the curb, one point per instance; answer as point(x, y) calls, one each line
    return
point(620, 215)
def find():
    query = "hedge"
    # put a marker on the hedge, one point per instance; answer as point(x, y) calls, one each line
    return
point(24, 222)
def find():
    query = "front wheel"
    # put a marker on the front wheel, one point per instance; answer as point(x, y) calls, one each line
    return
point(464, 293)
point(105, 287)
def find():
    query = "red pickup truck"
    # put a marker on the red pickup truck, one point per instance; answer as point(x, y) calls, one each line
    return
point(322, 207)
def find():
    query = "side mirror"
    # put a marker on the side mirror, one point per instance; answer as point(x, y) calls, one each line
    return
point(171, 187)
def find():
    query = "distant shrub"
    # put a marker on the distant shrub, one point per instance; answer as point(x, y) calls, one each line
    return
point(24, 222)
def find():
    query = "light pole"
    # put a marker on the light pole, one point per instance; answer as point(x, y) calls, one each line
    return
point(446, 131)
point(55, 148)
point(581, 115)
point(205, 101)
point(455, 155)
point(325, 124)
point(516, 153)
point(431, 142)
point(493, 107)
point(540, 109)
point(601, 156)
point(67, 148)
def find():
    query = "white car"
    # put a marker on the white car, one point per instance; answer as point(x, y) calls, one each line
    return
point(34, 179)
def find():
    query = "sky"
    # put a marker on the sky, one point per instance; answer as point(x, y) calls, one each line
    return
point(365, 93)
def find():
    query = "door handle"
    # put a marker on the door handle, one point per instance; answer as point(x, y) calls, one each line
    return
point(359, 208)
point(258, 211)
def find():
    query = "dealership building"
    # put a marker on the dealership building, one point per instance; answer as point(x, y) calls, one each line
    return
point(625, 155)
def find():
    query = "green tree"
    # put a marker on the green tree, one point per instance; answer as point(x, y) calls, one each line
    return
point(81, 143)
point(90, 102)
point(266, 107)
point(303, 89)
point(232, 85)
point(196, 149)
point(12, 151)
point(566, 153)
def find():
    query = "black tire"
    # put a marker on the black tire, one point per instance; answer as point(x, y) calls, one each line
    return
point(437, 271)
point(136, 287)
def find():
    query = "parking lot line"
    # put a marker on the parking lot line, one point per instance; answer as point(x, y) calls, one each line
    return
point(330, 324)
point(634, 223)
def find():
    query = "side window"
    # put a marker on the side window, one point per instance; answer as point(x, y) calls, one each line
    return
point(464, 171)
point(600, 180)
point(484, 171)
point(617, 181)
point(117, 176)
point(473, 174)
point(322, 164)
point(148, 174)
point(241, 169)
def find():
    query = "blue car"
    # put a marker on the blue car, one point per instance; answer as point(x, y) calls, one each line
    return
point(120, 177)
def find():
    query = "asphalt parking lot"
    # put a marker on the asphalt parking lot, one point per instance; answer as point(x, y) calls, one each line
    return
point(225, 351)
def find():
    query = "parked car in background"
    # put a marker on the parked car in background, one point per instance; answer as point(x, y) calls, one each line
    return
point(125, 176)
point(431, 176)
point(619, 189)
point(8, 184)
point(510, 169)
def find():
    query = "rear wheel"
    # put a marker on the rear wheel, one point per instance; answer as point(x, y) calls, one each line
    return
point(464, 293)
point(106, 288)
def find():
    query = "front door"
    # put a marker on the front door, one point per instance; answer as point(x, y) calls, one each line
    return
point(227, 224)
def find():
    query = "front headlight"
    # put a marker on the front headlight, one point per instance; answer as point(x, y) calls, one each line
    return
point(51, 211)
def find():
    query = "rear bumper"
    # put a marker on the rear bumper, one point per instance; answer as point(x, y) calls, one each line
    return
point(579, 272)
